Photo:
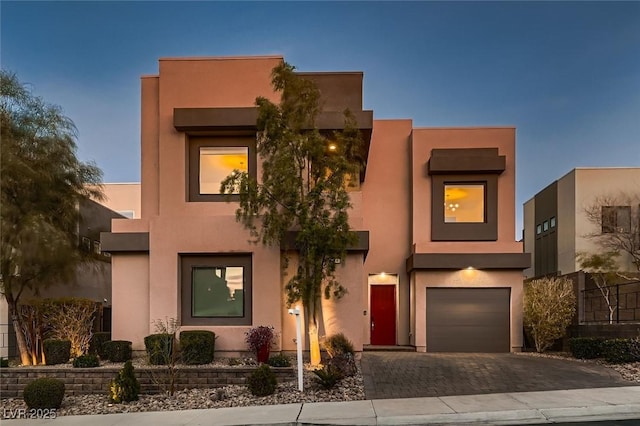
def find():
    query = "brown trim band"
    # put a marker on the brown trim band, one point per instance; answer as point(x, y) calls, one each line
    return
point(199, 119)
point(362, 245)
point(517, 261)
point(466, 161)
point(114, 242)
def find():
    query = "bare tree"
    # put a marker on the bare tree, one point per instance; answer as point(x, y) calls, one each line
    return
point(603, 270)
point(617, 224)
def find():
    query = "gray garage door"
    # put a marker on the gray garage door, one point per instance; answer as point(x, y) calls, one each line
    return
point(468, 320)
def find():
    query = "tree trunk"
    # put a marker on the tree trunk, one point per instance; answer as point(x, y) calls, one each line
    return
point(25, 356)
point(314, 344)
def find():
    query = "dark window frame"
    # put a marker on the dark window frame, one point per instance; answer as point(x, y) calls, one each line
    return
point(212, 260)
point(194, 143)
point(464, 231)
point(611, 218)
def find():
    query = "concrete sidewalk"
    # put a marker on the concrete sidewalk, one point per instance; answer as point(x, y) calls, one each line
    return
point(495, 409)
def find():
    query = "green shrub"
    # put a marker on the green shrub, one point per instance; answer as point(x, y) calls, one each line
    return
point(328, 376)
point(96, 344)
point(117, 350)
point(125, 387)
point(44, 392)
point(86, 361)
point(586, 347)
point(4, 362)
point(197, 346)
point(279, 361)
point(159, 348)
point(617, 351)
point(56, 351)
point(262, 381)
point(338, 344)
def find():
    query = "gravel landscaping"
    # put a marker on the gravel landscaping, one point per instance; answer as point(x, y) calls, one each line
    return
point(348, 389)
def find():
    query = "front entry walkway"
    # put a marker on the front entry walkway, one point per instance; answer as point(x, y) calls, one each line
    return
point(410, 375)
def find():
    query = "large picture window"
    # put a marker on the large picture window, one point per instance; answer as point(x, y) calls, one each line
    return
point(216, 289)
point(464, 203)
point(212, 159)
point(216, 163)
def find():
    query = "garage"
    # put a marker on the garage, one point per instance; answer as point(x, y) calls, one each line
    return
point(468, 320)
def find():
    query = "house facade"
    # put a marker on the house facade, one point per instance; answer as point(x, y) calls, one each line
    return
point(562, 220)
point(435, 266)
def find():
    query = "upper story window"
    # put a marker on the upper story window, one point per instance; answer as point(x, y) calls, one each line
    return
point(552, 221)
point(616, 219)
point(464, 188)
point(218, 162)
point(212, 159)
point(464, 203)
point(538, 229)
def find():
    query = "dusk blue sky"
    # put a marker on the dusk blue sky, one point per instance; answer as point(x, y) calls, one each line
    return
point(565, 74)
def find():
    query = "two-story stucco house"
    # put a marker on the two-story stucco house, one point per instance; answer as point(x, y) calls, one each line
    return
point(436, 265)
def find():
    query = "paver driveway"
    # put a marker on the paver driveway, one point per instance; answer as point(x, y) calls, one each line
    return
point(411, 374)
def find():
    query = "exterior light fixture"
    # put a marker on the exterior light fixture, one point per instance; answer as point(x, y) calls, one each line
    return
point(333, 147)
point(296, 312)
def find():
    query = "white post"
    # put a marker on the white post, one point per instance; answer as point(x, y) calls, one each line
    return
point(296, 312)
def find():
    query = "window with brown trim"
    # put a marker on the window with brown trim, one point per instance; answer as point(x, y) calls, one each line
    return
point(476, 198)
point(212, 159)
point(216, 289)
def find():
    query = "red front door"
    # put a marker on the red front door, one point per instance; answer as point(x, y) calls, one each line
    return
point(383, 315)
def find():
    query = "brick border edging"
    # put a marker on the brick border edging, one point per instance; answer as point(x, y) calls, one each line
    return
point(96, 380)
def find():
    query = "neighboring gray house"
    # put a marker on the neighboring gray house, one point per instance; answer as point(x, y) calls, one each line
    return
point(555, 222)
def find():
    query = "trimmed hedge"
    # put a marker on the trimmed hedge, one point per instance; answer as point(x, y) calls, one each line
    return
point(197, 346)
point(96, 344)
point(159, 348)
point(586, 347)
point(86, 361)
point(56, 351)
point(117, 350)
point(44, 392)
point(618, 351)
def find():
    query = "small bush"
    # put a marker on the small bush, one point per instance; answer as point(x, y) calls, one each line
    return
point(159, 348)
point(125, 387)
point(117, 350)
point(56, 351)
point(197, 346)
point(44, 393)
point(279, 361)
point(586, 347)
point(617, 351)
point(86, 361)
point(328, 376)
point(344, 363)
point(96, 344)
point(262, 381)
point(338, 344)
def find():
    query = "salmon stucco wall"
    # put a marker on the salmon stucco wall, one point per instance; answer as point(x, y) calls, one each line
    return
point(337, 315)
point(423, 141)
point(386, 199)
point(130, 293)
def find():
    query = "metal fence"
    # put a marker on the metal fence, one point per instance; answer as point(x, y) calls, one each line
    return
point(615, 304)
